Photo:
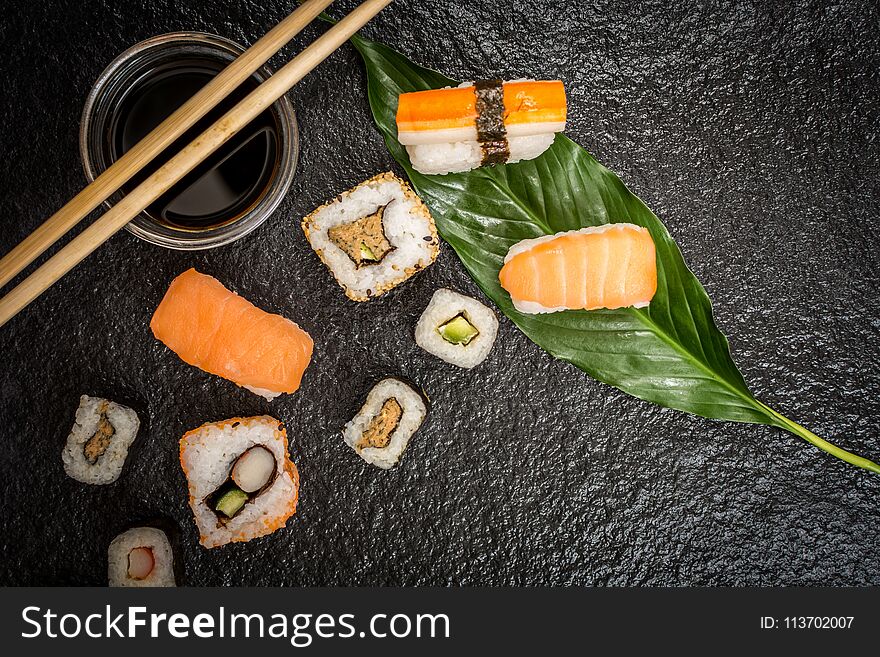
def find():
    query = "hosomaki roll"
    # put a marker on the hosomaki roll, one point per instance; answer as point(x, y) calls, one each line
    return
point(609, 266)
point(242, 483)
point(98, 444)
point(457, 329)
point(479, 123)
point(381, 430)
point(220, 332)
point(140, 557)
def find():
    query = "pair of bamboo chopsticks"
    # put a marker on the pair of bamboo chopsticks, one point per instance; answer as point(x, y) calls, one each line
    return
point(177, 167)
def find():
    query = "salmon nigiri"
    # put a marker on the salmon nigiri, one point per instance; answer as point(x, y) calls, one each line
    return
point(610, 266)
point(224, 334)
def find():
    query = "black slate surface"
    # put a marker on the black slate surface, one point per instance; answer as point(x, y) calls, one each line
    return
point(750, 128)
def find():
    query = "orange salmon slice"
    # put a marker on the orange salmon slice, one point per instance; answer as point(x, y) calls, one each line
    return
point(610, 266)
point(222, 333)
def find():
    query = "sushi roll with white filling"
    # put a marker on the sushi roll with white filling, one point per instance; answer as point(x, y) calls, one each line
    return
point(381, 430)
point(373, 237)
point(98, 443)
point(242, 483)
point(457, 329)
point(140, 557)
point(480, 123)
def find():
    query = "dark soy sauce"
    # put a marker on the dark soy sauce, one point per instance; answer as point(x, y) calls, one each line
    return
point(223, 187)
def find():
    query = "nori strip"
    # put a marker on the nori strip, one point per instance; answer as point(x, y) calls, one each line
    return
point(495, 152)
point(491, 131)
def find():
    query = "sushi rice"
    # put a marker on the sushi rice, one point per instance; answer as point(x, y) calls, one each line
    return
point(407, 226)
point(105, 430)
point(443, 307)
point(461, 156)
point(119, 555)
point(208, 454)
point(413, 408)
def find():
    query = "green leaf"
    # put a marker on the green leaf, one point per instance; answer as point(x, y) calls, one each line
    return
point(670, 353)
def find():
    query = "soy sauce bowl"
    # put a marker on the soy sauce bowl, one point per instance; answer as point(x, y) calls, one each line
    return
point(100, 143)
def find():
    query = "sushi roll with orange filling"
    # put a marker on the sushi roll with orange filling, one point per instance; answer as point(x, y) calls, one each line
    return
point(141, 558)
point(479, 123)
point(242, 483)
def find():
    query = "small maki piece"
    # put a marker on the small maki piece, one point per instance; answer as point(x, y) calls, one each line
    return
point(381, 430)
point(480, 123)
point(242, 483)
point(373, 237)
point(141, 557)
point(99, 441)
point(457, 329)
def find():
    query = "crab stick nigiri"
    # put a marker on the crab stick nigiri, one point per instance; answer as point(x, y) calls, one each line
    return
point(610, 266)
point(484, 122)
point(224, 334)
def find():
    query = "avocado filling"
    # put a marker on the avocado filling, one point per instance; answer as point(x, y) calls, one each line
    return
point(231, 502)
point(382, 426)
point(363, 240)
point(251, 474)
point(458, 330)
point(94, 447)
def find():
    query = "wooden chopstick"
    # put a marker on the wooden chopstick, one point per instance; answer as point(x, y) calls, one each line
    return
point(186, 116)
point(185, 161)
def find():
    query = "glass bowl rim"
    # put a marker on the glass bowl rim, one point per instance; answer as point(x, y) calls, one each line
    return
point(142, 226)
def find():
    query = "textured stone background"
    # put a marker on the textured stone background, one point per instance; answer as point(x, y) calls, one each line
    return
point(750, 128)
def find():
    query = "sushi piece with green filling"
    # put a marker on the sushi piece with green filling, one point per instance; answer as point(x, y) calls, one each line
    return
point(242, 483)
point(457, 328)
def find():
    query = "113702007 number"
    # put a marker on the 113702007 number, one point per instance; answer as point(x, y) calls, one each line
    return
point(818, 622)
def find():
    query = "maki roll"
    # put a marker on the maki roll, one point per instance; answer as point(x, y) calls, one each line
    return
point(373, 237)
point(99, 441)
point(381, 430)
point(220, 332)
point(457, 329)
point(140, 557)
point(479, 123)
point(242, 483)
